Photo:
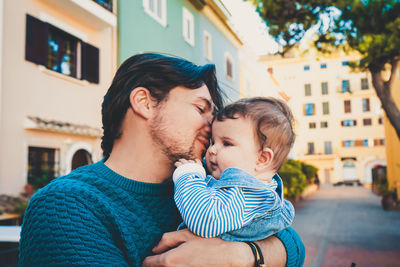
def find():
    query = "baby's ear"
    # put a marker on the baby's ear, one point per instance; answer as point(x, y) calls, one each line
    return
point(265, 159)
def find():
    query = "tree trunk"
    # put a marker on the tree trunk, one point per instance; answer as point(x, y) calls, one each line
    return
point(383, 90)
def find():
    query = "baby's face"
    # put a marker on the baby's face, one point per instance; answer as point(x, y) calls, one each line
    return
point(233, 145)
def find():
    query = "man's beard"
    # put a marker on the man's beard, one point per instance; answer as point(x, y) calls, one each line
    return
point(170, 147)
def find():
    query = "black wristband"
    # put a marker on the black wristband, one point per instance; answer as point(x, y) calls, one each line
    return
point(258, 256)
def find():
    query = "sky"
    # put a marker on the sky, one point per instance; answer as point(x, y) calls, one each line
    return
point(250, 27)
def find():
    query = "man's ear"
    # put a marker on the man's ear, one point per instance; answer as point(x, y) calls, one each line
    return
point(265, 159)
point(142, 102)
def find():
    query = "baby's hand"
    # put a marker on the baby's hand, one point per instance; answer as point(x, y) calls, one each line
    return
point(184, 161)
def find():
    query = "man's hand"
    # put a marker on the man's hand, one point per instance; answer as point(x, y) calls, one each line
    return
point(187, 249)
point(184, 161)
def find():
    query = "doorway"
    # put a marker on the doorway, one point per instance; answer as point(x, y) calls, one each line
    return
point(81, 158)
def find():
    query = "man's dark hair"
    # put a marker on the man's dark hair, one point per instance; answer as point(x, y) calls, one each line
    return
point(159, 74)
point(272, 120)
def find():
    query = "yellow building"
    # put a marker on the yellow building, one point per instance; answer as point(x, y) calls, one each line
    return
point(393, 142)
point(339, 122)
point(254, 78)
point(57, 60)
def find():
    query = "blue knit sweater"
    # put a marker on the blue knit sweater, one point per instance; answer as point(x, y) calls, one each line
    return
point(94, 216)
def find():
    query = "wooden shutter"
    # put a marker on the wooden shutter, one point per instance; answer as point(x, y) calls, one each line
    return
point(36, 47)
point(359, 142)
point(90, 63)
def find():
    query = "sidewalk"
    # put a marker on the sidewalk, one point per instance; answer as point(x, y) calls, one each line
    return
point(345, 224)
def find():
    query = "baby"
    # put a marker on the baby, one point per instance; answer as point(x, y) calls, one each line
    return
point(242, 199)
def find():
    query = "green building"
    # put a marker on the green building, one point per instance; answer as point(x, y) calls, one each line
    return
point(196, 30)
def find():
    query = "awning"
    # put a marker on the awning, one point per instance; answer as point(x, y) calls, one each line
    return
point(36, 123)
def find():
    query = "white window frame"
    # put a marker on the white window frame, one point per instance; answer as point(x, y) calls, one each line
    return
point(207, 46)
point(154, 13)
point(187, 16)
point(228, 56)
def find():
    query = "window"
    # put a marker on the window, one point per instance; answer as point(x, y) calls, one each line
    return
point(348, 143)
point(207, 46)
point(328, 147)
point(347, 106)
point(312, 125)
point(379, 142)
point(349, 123)
point(59, 51)
point(365, 143)
point(324, 88)
point(324, 124)
point(157, 9)
point(310, 148)
point(323, 66)
point(228, 66)
point(43, 165)
point(364, 84)
point(309, 109)
point(307, 67)
point(345, 63)
point(349, 164)
point(107, 4)
point(188, 26)
point(307, 89)
point(325, 108)
point(365, 105)
point(61, 56)
point(346, 86)
point(380, 120)
point(367, 122)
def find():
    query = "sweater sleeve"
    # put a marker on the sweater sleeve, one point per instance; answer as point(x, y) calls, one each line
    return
point(60, 230)
point(295, 249)
point(207, 212)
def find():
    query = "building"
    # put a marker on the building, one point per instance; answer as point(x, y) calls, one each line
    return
point(252, 30)
point(255, 80)
point(339, 121)
point(195, 30)
point(57, 60)
point(393, 142)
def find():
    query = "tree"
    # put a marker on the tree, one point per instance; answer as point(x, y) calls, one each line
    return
point(310, 171)
point(293, 178)
point(370, 27)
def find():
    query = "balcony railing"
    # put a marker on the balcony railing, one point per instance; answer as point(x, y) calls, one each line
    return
point(107, 4)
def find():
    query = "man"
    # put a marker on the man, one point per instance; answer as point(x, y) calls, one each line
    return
point(114, 212)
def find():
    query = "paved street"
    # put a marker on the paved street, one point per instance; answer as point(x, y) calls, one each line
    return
point(345, 224)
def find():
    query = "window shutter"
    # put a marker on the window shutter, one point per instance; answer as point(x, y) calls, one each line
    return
point(90, 63)
point(36, 47)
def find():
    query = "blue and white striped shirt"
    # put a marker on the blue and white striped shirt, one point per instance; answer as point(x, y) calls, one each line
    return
point(209, 211)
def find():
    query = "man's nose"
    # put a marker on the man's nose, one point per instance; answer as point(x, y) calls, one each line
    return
point(208, 118)
point(207, 123)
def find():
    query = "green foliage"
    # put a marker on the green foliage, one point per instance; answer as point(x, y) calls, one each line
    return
point(40, 181)
point(20, 206)
point(380, 182)
point(289, 20)
point(310, 171)
point(371, 27)
point(294, 180)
